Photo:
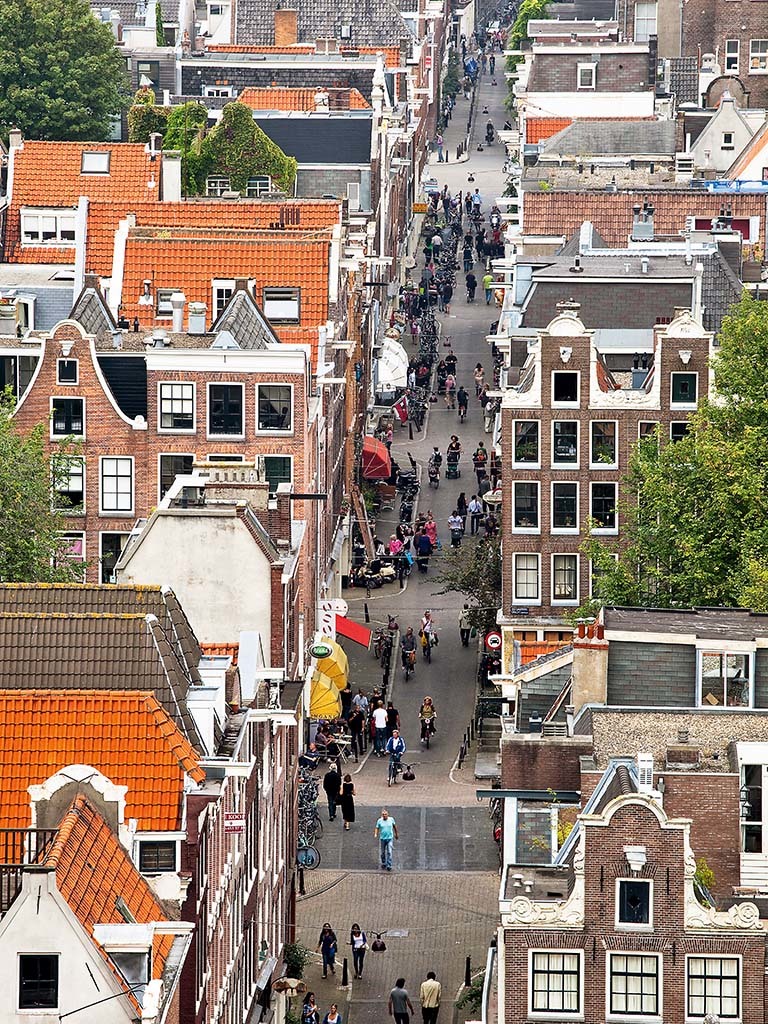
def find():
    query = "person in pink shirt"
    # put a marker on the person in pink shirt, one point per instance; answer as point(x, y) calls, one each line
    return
point(430, 528)
point(395, 545)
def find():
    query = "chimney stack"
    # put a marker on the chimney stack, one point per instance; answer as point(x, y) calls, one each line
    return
point(286, 27)
point(590, 667)
point(178, 301)
point(196, 318)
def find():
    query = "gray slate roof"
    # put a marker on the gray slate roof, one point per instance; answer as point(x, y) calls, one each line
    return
point(707, 623)
point(613, 138)
point(374, 22)
point(314, 139)
point(245, 321)
point(684, 79)
point(92, 312)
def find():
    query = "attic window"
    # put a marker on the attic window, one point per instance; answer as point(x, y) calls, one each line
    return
point(95, 163)
point(281, 305)
point(728, 142)
point(38, 981)
point(156, 857)
point(346, 32)
point(256, 187)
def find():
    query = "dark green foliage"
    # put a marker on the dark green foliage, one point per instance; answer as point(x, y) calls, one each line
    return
point(474, 570)
point(159, 33)
point(240, 150)
point(61, 75)
point(145, 118)
point(186, 133)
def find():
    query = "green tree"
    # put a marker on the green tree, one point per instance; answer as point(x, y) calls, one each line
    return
point(186, 133)
point(695, 511)
point(240, 150)
point(145, 117)
point(474, 570)
point(159, 31)
point(61, 75)
point(31, 547)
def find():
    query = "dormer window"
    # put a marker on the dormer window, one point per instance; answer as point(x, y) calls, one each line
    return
point(48, 227)
point(726, 679)
point(95, 163)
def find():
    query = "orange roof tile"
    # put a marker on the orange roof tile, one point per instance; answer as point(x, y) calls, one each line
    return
point(93, 871)
point(301, 99)
point(126, 736)
point(538, 129)
point(231, 650)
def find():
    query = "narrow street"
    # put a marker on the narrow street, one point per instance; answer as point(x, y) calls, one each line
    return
point(439, 904)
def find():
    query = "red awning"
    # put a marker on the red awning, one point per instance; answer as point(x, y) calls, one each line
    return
point(353, 631)
point(377, 464)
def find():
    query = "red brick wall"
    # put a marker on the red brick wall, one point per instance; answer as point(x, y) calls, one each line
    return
point(549, 763)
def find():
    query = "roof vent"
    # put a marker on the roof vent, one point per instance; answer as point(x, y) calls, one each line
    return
point(577, 267)
point(160, 338)
point(645, 772)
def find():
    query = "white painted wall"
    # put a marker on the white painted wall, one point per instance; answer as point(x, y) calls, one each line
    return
point(708, 149)
point(40, 921)
point(587, 103)
point(215, 568)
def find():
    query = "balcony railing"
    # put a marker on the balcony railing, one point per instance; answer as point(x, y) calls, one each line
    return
point(20, 848)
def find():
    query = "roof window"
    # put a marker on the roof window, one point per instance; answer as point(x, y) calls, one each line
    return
point(95, 163)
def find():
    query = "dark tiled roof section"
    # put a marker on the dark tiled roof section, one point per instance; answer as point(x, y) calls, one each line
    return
point(373, 21)
point(684, 79)
point(246, 323)
point(613, 138)
point(633, 304)
point(91, 311)
point(707, 623)
point(571, 247)
point(619, 71)
point(321, 139)
point(127, 380)
point(720, 289)
point(561, 212)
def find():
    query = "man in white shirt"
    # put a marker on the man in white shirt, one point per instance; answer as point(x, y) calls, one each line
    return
point(475, 509)
point(380, 725)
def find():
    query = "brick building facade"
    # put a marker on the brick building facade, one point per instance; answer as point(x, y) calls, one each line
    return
point(737, 35)
point(620, 932)
point(567, 432)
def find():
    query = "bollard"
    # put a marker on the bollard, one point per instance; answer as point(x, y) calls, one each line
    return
point(410, 429)
point(367, 613)
point(345, 973)
point(302, 890)
point(468, 972)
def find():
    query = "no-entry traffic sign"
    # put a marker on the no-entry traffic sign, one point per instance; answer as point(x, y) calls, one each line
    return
point(493, 640)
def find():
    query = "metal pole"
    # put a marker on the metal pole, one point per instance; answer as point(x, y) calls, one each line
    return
point(468, 972)
point(302, 890)
point(345, 973)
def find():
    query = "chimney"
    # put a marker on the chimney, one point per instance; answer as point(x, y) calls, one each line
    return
point(196, 318)
point(286, 27)
point(15, 139)
point(590, 668)
point(170, 181)
point(322, 102)
point(178, 301)
point(644, 264)
point(279, 517)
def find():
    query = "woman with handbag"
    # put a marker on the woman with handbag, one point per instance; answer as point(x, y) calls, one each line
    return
point(359, 943)
point(326, 945)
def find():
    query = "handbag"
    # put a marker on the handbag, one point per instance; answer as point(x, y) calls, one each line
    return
point(409, 557)
point(365, 947)
point(473, 632)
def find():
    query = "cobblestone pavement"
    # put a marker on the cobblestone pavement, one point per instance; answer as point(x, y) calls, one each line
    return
point(441, 899)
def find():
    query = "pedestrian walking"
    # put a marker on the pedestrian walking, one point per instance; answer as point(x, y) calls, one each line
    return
point(488, 286)
point(356, 723)
point(471, 282)
point(468, 258)
point(333, 1016)
point(348, 802)
point(446, 295)
point(475, 509)
point(450, 391)
point(380, 725)
point(386, 832)
point(439, 146)
point(326, 945)
point(461, 508)
point(477, 201)
point(423, 546)
point(358, 940)
point(492, 64)
point(393, 718)
point(479, 374)
point(399, 1004)
point(456, 527)
point(430, 992)
point(310, 1014)
point(332, 787)
point(465, 626)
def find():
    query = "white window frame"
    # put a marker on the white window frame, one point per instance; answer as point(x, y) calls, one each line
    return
point(176, 430)
point(163, 307)
point(714, 956)
point(628, 926)
point(673, 423)
point(731, 55)
point(227, 384)
point(566, 602)
point(558, 530)
point(61, 215)
point(556, 1015)
point(761, 56)
point(81, 534)
point(654, 1018)
point(567, 467)
point(165, 455)
point(688, 406)
point(67, 383)
point(258, 188)
point(649, 25)
point(100, 158)
point(526, 465)
point(591, 67)
point(525, 601)
point(278, 455)
point(110, 533)
point(67, 398)
point(71, 458)
point(112, 513)
point(728, 142)
point(290, 296)
point(596, 463)
point(526, 529)
point(221, 284)
point(216, 184)
point(732, 648)
point(218, 90)
point(267, 431)
point(565, 405)
point(605, 530)
point(155, 837)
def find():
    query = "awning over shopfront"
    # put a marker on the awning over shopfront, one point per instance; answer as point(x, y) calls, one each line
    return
point(324, 700)
point(353, 631)
point(392, 371)
point(377, 464)
point(336, 665)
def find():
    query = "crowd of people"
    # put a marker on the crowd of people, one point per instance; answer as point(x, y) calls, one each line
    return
point(399, 1005)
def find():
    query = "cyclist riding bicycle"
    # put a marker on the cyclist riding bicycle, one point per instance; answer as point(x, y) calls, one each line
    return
point(395, 748)
point(408, 647)
point(427, 718)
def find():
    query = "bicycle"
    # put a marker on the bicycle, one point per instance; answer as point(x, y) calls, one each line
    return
point(308, 857)
point(397, 768)
point(427, 730)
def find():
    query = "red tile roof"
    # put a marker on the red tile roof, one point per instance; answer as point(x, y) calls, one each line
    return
point(93, 871)
point(301, 99)
point(231, 650)
point(537, 129)
point(127, 737)
point(189, 259)
point(562, 213)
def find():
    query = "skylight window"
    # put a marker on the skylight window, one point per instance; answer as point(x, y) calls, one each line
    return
point(95, 163)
